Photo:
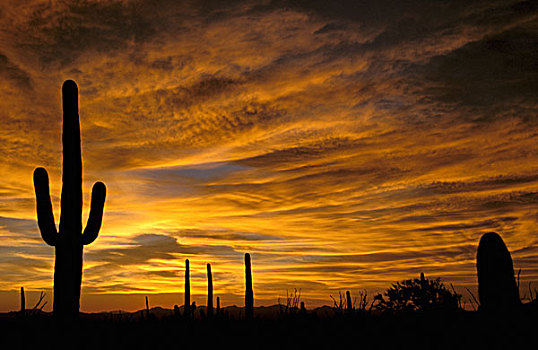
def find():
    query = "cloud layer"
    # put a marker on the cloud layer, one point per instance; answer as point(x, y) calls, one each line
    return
point(344, 145)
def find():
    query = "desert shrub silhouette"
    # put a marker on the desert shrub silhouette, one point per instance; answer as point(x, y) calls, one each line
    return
point(291, 308)
point(70, 239)
point(418, 295)
point(497, 288)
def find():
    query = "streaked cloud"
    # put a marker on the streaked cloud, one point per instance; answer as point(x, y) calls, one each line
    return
point(344, 144)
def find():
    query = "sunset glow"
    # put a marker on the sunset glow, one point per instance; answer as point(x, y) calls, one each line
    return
point(344, 147)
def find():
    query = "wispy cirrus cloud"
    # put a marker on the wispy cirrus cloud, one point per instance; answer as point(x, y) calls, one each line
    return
point(344, 144)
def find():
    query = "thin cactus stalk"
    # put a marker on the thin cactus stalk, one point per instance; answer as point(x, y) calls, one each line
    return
point(497, 288)
point(349, 302)
point(147, 308)
point(249, 293)
point(70, 239)
point(187, 304)
point(23, 302)
point(209, 291)
point(218, 306)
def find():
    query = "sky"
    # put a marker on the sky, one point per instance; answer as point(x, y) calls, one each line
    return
point(345, 145)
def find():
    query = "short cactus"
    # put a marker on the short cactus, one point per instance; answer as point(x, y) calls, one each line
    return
point(497, 288)
point(23, 301)
point(249, 293)
point(70, 239)
point(209, 291)
point(349, 302)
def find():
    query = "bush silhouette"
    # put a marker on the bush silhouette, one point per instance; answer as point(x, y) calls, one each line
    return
point(418, 295)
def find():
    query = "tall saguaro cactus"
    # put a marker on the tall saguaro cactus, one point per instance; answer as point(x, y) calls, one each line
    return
point(70, 239)
point(209, 291)
point(497, 288)
point(187, 305)
point(249, 293)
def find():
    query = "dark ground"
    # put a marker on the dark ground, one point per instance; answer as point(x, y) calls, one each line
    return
point(163, 330)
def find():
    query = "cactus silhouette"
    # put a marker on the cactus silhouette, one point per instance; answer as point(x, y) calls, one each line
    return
point(249, 293)
point(70, 239)
point(147, 308)
point(23, 301)
point(209, 291)
point(187, 304)
point(497, 288)
point(218, 306)
point(349, 302)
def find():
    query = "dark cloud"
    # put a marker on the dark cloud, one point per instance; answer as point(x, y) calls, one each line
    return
point(15, 225)
point(499, 69)
point(493, 224)
point(60, 33)
point(12, 72)
point(143, 248)
point(226, 235)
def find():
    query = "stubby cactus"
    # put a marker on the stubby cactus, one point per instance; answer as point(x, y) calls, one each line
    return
point(497, 288)
point(209, 291)
point(70, 239)
point(349, 302)
point(23, 302)
point(249, 293)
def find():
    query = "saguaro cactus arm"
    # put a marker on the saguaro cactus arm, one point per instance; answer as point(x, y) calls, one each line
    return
point(45, 216)
point(96, 213)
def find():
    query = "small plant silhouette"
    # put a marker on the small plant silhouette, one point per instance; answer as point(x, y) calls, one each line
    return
point(38, 307)
point(497, 288)
point(292, 303)
point(70, 239)
point(343, 305)
point(418, 295)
